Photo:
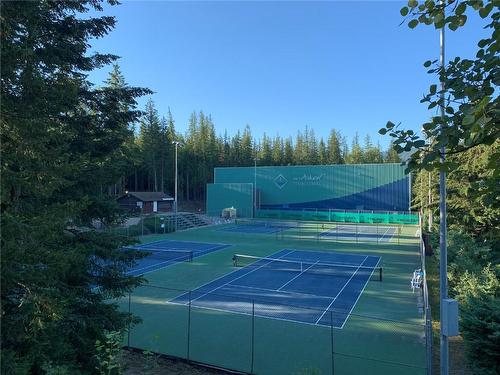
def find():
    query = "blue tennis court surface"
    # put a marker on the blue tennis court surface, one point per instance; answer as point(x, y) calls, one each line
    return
point(294, 285)
point(361, 232)
point(167, 252)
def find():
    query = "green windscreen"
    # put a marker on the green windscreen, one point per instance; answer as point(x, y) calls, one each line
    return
point(340, 216)
point(378, 187)
point(235, 195)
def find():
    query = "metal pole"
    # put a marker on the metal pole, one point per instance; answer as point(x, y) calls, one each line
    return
point(128, 330)
point(429, 207)
point(188, 354)
point(331, 342)
point(176, 143)
point(443, 266)
point(409, 191)
point(253, 336)
point(255, 187)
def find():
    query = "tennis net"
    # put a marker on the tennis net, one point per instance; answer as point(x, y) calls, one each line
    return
point(178, 255)
point(361, 229)
point(309, 267)
point(266, 223)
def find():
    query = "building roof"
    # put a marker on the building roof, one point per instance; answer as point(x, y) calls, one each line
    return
point(148, 196)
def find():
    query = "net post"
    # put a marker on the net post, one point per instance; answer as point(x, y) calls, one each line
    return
point(380, 271)
point(332, 342)
point(189, 328)
point(253, 337)
point(129, 312)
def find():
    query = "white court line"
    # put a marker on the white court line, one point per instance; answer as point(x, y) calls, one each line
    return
point(217, 278)
point(293, 278)
point(171, 262)
point(239, 277)
point(200, 242)
point(283, 292)
point(258, 315)
point(380, 239)
point(166, 263)
point(338, 294)
point(359, 295)
point(321, 251)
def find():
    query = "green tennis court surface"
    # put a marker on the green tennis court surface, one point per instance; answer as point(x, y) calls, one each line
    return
point(383, 334)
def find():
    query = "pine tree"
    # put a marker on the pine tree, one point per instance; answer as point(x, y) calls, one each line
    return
point(356, 156)
point(58, 132)
point(288, 152)
point(322, 152)
point(265, 154)
point(277, 151)
point(150, 140)
point(391, 155)
point(247, 151)
point(334, 148)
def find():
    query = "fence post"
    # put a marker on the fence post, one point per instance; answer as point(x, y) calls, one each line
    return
point(332, 343)
point(128, 331)
point(253, 336)
point(189, 328)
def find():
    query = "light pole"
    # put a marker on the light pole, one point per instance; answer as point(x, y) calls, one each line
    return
point(255, 159)
point(177, 144)
point(443, 258)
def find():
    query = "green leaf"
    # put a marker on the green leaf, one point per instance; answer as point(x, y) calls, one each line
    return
point(404, 11)
point(412, 3)
point(461, 8)
point(468, 120)
point(390, 125)
point(427, 63)
point(419, 143)
point(483, 12)
point(483, 43)
point(382, 131)
point(412, 24)
point(432, 89)
point(438, 20)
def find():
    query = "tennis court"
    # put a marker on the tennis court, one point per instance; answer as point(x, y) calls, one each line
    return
point(167, 252)
point(259, 226)
point(360, 232)
point(316, 285)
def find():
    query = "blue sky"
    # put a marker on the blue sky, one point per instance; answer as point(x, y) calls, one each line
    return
point(279, 66)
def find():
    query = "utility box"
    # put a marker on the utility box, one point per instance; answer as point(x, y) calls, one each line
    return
point(449, 320)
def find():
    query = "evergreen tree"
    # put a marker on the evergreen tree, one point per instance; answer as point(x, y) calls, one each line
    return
point(334, 148)
point(288, 152)
point(57, 131)
point(322, 153)
point(277, 151)
point(152, 145)
point(247, 149)
point(356, 156)
point(299, 150)
point(265, 153)
point(391, 155)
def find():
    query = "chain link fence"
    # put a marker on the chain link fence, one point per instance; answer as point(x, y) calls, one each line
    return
point(264, 337)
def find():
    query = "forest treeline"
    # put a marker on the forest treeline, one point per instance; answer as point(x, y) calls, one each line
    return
point(202, 149)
